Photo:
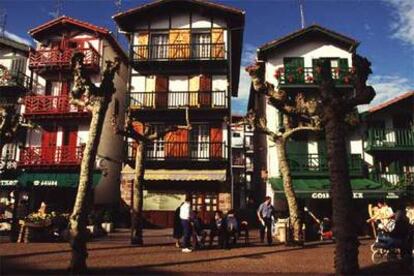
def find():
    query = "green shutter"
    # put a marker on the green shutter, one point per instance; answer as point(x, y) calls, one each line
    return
point(292, 72)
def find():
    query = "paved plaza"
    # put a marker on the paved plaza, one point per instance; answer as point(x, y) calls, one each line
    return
point(114, 255)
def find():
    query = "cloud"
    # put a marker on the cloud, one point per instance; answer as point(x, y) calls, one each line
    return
point(387, 87)
point(249, 54)
point(17, 38)
point(402, 20)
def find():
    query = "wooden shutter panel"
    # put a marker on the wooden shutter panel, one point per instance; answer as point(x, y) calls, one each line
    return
point(216, 138)
point(217, 38)
point(176, 144)
point(205, 91)
point(142, 49)
point(194, 86)
point(138, 127)
point(343, 70)
point(161, 91)
point(179, 41)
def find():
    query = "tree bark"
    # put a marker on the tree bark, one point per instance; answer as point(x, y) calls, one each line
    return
point(346, 251)
point(137, 201)
point(78, 218)
point(295, 218)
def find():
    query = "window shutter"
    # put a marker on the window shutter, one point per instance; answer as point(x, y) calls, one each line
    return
point(142, 51)
point(179, 41)
point(138, 127)
point(216, 138)
point(217, 38)
point(194, 86)
point(205, 91)
point(176, 143)
point(161, 91)
point(343, 69)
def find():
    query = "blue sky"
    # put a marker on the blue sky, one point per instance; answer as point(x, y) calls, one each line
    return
point(384, 28)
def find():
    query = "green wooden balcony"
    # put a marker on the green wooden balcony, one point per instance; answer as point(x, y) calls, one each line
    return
point(380, 139)
point(393, 179)
point(316, 165)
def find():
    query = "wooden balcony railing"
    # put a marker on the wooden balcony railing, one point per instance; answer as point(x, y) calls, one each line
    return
point(56, 57)
point(317, 164)
point(178, 99)
point(41, 105)
point(311, 75)
point(186, 151)
point(50, 156)
point(192, 51)
point(390, 139)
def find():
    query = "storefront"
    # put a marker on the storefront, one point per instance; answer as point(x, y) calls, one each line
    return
point(314, 193)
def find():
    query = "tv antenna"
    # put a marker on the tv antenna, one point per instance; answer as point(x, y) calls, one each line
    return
point(118, 4)
point(58, 8)
point(302, 13)
point(3, 21)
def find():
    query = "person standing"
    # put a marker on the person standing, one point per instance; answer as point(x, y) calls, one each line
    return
point(185, 212)
point(178, 229)
point(265, 213)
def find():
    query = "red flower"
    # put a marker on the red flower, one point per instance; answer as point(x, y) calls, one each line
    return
point(299, 70)
point(290, 78)
point(309, 78)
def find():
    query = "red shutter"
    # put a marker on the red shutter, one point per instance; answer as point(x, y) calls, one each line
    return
point(49, 136)
point(161, 89)
point(138, 127)
point(216, 138)
point(205, 91)
point(48, 88)
point(65, 88)
point(176, 143)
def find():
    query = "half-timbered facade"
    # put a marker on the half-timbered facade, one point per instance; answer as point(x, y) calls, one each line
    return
point(52, 154)
point(185, 55)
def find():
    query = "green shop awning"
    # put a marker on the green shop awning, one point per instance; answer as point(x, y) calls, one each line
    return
point(62, 180)
point(320, 188)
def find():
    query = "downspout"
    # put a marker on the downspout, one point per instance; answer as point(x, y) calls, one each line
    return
point(229, 95)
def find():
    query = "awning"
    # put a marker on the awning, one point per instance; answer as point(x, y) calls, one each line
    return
point(63, 180)
point(177, 175)
point(320, 188)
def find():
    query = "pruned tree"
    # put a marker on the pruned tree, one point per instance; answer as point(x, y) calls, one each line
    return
point(300, 115)
point(141, 137)
point(332, 108)
point(85, 94)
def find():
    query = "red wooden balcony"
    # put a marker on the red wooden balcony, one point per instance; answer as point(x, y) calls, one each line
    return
point(50, 156)
point(40, 59)
point(50, 105)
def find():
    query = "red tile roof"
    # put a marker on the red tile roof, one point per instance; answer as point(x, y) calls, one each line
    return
point(70, 20)
point(391, 102)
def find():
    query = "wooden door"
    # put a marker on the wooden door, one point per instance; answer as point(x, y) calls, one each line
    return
point(204, 97)
point(161, 91)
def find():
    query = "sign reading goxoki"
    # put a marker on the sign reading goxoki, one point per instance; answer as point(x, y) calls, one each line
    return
point(53, 183)
point(324, 195)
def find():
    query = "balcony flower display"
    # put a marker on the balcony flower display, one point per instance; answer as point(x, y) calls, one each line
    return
point(300, 70)
point(290, 78)
point(309, 78)
point(278, 73)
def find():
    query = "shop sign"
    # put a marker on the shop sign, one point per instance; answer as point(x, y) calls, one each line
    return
point(8, 182)
point(355, 195)
point(53, 183)
point(392, 196)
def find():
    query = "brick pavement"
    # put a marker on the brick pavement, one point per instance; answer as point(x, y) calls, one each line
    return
point(114, 255)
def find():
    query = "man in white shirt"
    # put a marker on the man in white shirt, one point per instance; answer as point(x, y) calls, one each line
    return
point(185, 211)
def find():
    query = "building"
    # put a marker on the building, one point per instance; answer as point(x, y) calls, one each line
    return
point(291, 65)
point(242, 162)
point(14, 83)
point(50, 159)
point(184, 54)
point(389, 141)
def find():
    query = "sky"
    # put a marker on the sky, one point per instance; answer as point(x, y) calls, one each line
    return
point(384, 28)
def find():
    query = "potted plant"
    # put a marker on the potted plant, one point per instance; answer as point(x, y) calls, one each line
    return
point(107, 221)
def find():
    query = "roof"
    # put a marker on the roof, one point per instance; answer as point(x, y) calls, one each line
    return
point(314, 30)
point(7, 41)
point(42, 30)
point(155, 4)
point(391, 102)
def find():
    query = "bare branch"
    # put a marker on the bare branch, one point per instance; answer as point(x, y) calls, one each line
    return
point(289, 133)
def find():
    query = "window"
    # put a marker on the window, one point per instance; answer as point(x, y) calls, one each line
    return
point(199, 142)
point(201, 45)
point(155, 150)
point(236, 135)
point(159, 46)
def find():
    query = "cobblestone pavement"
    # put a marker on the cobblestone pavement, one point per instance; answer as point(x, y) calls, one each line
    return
point(114, 255)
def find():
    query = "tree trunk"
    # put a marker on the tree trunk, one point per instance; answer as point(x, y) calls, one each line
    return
point(294, 215)
point(78, 218)
point(346, 251)
point(137, 201)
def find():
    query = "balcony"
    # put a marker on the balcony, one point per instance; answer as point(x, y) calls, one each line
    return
point(48, 59)
point(178, 100)
point(310, 76)
point(50, 156)
point(172, 52)
point(41, 106)
point(182, 151)
point(317, 165)
point(380, 139)
point(12, 79)
point(402, 179)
